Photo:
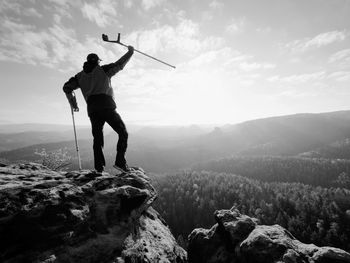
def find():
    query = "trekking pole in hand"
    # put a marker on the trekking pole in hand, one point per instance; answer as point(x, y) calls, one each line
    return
point(74, 107)
point(105, 38)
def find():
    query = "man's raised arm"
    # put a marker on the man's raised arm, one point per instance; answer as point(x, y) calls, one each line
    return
point(113, 68)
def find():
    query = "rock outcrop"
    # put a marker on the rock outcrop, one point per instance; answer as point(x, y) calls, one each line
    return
point(237, 238)
point(47, 216)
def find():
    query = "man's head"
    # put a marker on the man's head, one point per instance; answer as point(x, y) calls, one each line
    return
point(93, 58)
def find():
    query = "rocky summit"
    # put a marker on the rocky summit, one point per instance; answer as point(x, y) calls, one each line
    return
point(81, 216)
point(48, 216)
point(237, 238)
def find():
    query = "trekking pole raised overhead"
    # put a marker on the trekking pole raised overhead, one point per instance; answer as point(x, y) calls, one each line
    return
point(76, 139)
point(105, 38)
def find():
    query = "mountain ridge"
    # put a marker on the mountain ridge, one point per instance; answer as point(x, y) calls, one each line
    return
point(288, 135)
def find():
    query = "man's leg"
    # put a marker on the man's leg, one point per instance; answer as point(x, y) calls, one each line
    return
point(116, 122)
point(97, 122)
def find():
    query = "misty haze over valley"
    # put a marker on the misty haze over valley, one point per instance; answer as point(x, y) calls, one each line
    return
point(171, 148)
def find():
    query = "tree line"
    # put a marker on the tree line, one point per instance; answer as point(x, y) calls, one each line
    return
point(312, 214)
point(314, 171)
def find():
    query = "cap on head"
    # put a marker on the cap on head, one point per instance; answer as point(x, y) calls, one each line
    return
point(92, 58)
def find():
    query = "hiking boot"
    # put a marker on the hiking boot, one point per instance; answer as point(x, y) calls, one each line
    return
point(94, 174)
point(122, 167)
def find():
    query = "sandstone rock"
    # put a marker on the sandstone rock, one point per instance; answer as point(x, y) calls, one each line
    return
point(152, 242)
point(237, 238)
point(46, 216)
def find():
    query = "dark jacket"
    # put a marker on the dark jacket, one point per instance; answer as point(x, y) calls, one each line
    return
point(95, 83)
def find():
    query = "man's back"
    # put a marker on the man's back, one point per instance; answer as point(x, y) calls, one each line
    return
point(94, 83)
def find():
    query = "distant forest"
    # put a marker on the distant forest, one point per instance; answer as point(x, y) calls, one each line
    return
point(314, 171)
point(312, 214)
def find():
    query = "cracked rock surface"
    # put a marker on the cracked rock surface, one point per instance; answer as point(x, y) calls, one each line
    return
point(237, 238)
point(79, 216)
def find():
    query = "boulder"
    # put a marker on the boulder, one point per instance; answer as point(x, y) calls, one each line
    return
point(81, 216)
point(237, 238)
point(152, 242)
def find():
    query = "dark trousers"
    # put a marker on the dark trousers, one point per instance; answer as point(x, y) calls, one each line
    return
point(114, 120)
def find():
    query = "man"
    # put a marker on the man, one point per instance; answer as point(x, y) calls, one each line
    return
point(95, 83)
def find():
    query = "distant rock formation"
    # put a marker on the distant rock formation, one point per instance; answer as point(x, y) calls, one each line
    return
point(237, 238)
point(46, 216)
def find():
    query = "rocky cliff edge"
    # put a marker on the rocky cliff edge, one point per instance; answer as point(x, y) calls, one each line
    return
point(47, 216)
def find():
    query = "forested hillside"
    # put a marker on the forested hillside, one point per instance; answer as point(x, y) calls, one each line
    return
point(313, 214)
point(314, 171)
point(339, 149)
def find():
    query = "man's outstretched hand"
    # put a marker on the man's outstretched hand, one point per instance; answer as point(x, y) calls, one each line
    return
point(131, 48)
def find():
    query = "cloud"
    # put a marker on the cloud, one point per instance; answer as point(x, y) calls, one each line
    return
point(30, 49)
point(128, 3)
point(65, 3)
point(102, 13)
point(230, 60)
point(56, 46)
point(216, 4)
point(62, 8)
point(8, 7)
point(184, 38)
point(318, 41)
point(213, 57)
point(340, 56)
point(255, 66)
point(264, 30)
point(340, 76)
point(299, 78)
point(316, 77)
point(61, 47)
point(32, 12)
point(236, 26)
point(148, 4)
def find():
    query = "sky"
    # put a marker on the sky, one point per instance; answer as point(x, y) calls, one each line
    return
point(235, 60)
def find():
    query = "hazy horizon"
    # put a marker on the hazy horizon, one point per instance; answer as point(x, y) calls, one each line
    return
point(87, 125)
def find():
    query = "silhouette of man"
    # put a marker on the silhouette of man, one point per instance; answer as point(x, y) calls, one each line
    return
point(95, 83)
